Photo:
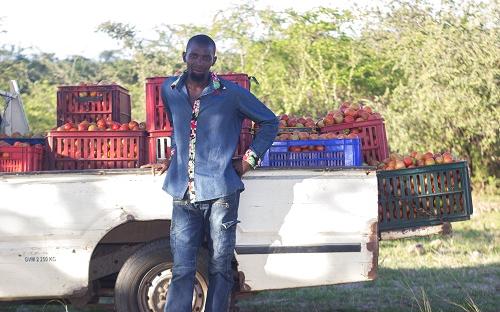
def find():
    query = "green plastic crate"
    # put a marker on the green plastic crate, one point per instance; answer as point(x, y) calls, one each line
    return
point(423, 196)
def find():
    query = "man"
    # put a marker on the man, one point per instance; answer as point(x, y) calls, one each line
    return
point(206, 113)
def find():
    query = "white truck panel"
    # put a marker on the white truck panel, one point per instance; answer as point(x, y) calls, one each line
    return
point(307, 209)
point(51, 223)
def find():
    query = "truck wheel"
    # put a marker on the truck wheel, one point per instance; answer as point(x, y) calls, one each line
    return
point(142, 283)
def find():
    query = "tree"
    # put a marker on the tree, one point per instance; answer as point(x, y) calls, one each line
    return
point(448, 95)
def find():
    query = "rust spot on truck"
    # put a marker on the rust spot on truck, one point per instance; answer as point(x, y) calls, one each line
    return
point(372, 246)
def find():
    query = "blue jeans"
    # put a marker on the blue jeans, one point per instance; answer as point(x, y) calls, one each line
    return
point(217, 220)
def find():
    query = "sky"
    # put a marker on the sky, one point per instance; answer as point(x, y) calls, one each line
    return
point(68, 27)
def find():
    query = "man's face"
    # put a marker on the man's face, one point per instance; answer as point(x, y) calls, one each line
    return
point(199, 58)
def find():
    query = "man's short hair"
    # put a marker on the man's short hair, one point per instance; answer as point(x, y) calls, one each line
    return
point(201, 39)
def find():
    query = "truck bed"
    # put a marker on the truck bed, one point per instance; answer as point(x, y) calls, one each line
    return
point(299, 227)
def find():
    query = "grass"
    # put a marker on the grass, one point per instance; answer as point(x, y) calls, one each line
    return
point(456, 273)
point(460, 272)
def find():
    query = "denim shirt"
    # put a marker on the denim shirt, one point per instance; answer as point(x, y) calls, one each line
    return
point(223, 107)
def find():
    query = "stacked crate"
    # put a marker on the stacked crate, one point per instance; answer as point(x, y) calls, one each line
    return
point(92, 102)
point(115, 142)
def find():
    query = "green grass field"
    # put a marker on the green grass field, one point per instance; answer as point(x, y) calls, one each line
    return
point(460, 272)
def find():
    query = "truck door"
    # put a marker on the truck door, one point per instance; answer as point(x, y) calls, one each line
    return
point(305, 228)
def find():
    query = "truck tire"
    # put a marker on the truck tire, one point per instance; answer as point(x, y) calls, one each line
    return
point(142, 283)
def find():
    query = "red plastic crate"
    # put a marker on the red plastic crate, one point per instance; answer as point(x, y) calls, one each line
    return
point(92, 102)
point(21, 158)
point(78, 150)
point(372, 134)
point(156, 115)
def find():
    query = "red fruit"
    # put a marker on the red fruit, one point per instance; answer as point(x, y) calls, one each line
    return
point(313, 136)
point(101, 123)
point(329, 121)
point(428, 155)
point(66, 126)
point(283, 137)
point(5, 155)
point(301, 120)
point(73, 129)
point(295, 149)
point(115, 126)
point(282, 123)
point(136, 128)
point(133, 124)
point(351, 136)
point(303, 136)
point(420, 162)
point(83, 126)
point(292, 122)
point(354, 106)
point(429, 161)
point(368, 109)
point(408, 161)
point(124, 127)
point(363, 114)
point(399, 164)
point(330, 135)
point(284, 117)
point(348, 118)
point(350, 112)
point(447, 159)
point(320, 148)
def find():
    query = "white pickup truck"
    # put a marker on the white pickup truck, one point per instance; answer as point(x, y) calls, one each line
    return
point(79, 235)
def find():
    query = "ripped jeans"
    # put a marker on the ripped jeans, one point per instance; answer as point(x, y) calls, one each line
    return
point(191, 223)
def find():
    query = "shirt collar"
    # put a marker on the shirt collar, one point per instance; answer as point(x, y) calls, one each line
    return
point(215, 82)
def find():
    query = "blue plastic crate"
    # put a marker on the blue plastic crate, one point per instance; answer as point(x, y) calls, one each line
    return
point(337, 153)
